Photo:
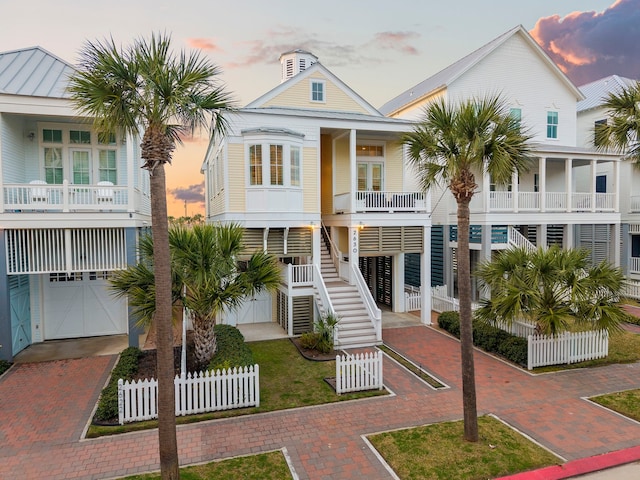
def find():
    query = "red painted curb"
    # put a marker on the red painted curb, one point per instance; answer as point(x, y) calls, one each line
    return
point(581, 466)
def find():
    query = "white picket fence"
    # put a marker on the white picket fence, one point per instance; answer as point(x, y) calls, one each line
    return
point(566, 348)
point(362, 371)
point(412, 298)
point(195, 393)
point(441, 302)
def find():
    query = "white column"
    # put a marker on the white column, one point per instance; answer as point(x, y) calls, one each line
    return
point(542, 183)
point(514, 191)
point(354, 251)
point(568, 241)
point(425, 274)
point(486, 191)
point(592, 191)
point(398, 283)
point(616, 186)
point(353, 169)
point(542, 237)
point(615, 233)
point(568, 184)
point(131, 193)
point(315, 243)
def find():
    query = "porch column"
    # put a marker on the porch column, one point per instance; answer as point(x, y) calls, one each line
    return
point(131, 242)
point(514, 190)
point(568, 186)
point(354, 251)
point(353, 171)
point(6, 346)
point(626, 248)
point(425, 274)
point(568, 240)
point(131, 194)
point(615, 234)
point(486, 191)
point(542, 237)
point(398, 283)
point(593, 169)
point(290, 315)
point(542, 183)
point(616, 186)
point(316, 246)
point(485, 254)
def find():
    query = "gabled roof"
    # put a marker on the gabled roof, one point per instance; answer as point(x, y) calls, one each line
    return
point(34, 72)
point(446, 77)
point(316, 67)
point(596, 91)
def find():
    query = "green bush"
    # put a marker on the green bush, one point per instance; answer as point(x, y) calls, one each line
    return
point(125, 369)
point(4, 366)
point(489, 338)
point(232, 350)
point(309, 340)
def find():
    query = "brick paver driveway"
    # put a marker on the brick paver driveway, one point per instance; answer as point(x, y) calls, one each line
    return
point(46, 406)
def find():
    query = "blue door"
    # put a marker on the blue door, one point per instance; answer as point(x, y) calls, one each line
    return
point(20, 312)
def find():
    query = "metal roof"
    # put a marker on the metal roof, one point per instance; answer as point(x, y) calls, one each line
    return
point(446, 77)
point(327, 114)
point(34, 72)
point(595, 92)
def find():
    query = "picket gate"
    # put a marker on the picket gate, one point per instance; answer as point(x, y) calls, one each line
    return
point(195, 393)
point(362, 371)
point(566, 348)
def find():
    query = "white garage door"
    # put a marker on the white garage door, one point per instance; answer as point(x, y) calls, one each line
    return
point(80, 305)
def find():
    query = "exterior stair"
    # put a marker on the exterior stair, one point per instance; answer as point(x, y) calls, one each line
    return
point(355, 328)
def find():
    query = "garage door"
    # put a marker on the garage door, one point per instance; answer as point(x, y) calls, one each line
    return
point(80, 305)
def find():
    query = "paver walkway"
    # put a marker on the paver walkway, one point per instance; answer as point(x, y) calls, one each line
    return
point(45, 406)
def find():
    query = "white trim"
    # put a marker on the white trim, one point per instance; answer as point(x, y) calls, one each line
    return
point(318, 81)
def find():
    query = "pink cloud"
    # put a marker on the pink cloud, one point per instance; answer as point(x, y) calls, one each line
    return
point(591, 45)
point(397, 41)
point(203, 44)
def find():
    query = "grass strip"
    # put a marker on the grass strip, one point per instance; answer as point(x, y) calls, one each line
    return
point(626, 403)
point(411, 367)
point(439, 452)
point(264, 466)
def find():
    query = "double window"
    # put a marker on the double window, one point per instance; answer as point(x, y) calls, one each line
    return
point(370, 160)
point(77, 154)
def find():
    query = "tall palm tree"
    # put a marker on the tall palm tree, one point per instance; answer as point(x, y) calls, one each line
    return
point(145, 89)
point(450, 145)
point(622, 131)
point(552, 289)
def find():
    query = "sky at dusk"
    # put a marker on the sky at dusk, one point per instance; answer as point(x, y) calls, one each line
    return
point(379, 48)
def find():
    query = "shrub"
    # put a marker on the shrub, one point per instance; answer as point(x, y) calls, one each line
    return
point(321, 339)
point(489, 338)
point(4, 366)
point(126, 368)
point(232, 350)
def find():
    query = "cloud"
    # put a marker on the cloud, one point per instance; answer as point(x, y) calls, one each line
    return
point(191, 194)
point(203, 44)
point(591, 45)
point(284, 38)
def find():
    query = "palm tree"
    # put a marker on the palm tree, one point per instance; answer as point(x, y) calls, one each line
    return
point(553, 289)
point(622, 131)
point(144, 89)
point(207, 278)
point(450, 145)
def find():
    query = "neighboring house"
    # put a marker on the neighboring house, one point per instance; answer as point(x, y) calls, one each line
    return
point(590, 113)
point(71, 208)
point(570, 196)
point(316, 175)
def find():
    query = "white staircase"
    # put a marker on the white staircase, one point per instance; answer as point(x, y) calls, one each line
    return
point(516, 239)
point(355, 328)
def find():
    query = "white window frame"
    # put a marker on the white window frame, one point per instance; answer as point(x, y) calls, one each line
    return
point(370, 161)
point(317, 81)
point(554, 126)
point(265, 142)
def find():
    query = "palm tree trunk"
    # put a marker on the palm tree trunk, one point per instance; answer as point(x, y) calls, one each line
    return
point(470, 412)
point(204, 340)
point(168, 445)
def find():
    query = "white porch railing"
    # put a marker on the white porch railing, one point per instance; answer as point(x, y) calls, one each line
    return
point(362, 371)
point(632, 289)
point(566, 348)
point(555, 201)
point(370, 201)
point(518, 240)
point(634, 264)
point(195, 393)
point(503, 201)
point(635, 203)
point(299, 275)
point(375, 314)
point(65, 197)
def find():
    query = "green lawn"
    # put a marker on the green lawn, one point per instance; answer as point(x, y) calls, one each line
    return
point(265, 466)
point(626, 403)
point(438, 452)
point(287, 380)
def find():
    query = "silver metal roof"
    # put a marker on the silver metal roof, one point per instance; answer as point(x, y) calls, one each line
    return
point(34, 72)
point(327, 114)
point(595, 92)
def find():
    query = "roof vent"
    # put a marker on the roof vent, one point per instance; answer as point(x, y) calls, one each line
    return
point(294, 62)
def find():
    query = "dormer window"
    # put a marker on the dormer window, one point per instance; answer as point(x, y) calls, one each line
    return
point(317, 91)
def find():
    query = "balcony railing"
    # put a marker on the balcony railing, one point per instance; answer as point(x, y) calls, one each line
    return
point(634, 265)
point(69, 198)
point(635, 203)
point(553, 202)
point(365, 201)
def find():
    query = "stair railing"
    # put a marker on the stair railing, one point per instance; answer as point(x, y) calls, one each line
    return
point(517, 239)
point(375, 314)
point(325, 300)
point(336, 255)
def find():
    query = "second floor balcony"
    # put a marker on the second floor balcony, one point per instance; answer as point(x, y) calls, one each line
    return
point(546, 202)
point(38, 196)
point(377, 201)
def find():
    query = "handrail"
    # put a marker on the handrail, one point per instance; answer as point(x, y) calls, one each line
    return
point(333, 249)
point(372, 309)
point(519, 240)
point(318, 283)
